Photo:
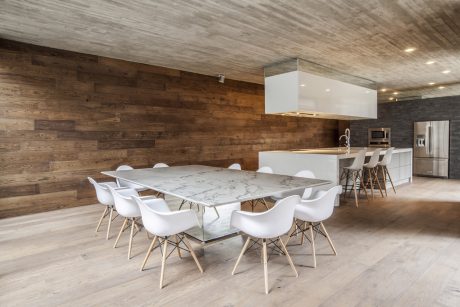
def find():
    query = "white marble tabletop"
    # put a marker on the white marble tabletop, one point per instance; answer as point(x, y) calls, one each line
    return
point(213, 186)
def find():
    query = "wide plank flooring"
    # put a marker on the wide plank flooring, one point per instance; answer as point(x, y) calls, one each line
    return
point(399, 251)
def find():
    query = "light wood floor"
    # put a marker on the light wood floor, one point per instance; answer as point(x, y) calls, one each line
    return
point(401, 251)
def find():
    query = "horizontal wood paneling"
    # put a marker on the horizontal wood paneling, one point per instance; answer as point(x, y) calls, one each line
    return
point(65, 116)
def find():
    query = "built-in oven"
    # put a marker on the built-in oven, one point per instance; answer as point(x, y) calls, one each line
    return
point(379, 137)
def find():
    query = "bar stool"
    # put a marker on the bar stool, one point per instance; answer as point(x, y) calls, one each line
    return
point(355, 170)
point(371, 168)
point(384, 169)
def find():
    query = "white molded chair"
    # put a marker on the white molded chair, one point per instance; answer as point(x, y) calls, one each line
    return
point(126, 184)
point(313, 212)
point(127, 207)
point(383, 165)
point(265, 169)
point(267, 225)
point(162, 223)
point(355, 172)
point(104, 197)
point(372, 175)
point(304, 193)
point(254, 202)
point(235, 166)
point(160, 165)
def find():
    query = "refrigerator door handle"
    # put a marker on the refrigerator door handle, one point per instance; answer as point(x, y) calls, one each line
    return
point(430, 145)
point(428, 140)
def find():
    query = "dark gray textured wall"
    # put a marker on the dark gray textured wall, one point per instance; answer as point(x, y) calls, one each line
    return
point(400, 117)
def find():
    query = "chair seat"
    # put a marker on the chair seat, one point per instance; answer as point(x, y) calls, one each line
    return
point(255, 224)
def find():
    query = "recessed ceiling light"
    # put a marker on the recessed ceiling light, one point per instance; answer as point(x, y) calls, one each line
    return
point(302, 85)
point(391, 98)
point(430, 62)
point(383, 90)
point(446, 71)
point(441, 87)
point(328, 90)
point(395, 93)
point(431, 83)
point(409, 50)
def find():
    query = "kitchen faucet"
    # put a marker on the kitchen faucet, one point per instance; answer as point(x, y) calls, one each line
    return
point(347, 138)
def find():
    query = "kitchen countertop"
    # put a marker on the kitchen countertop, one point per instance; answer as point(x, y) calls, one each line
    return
point(339, 152)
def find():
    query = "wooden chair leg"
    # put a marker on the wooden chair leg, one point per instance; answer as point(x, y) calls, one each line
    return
point(384, 178)
point(131, 238)
point(391, 181)
point(369, 180)
point(177, 244)
point(121, 230)
point(110, 223)
point(265, 204)
point(288, 257)
point(347, 177)
point(189, 246)
point(291, 231)
point(376, 178)
point(354, 189)
point(303, 230)
point(245, 246)
point(163, 261)
point(102, 217)
point(313, 252)
point(149, 251)
point(328, 238)
point(365, 188)
point(264, 247)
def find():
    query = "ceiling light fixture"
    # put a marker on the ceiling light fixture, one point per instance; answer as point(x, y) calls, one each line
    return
point(328, 90)
point(430, 62)
point(395, 93)
point(383, 90)
point(409, 50)
point(431, 83)
point(302, 85)
point(391, 98)
point(441, 87)
point(446, 71)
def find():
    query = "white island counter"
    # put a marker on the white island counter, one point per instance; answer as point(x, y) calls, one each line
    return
point(327, 163)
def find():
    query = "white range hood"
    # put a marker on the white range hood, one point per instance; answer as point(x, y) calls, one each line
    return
point(301, 93)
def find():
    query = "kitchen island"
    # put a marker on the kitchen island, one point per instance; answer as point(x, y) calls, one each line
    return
point(327, 163)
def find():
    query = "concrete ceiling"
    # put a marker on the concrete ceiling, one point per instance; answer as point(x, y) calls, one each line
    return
point(240, 37)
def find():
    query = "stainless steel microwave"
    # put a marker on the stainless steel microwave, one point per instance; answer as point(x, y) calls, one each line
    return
point(379, 137)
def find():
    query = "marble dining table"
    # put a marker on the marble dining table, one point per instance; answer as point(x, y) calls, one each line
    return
point(208, 186)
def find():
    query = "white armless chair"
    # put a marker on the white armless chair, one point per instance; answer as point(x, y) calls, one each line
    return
point(126, 184)
point(160, 165)
point(355, 173)
point(253, 203)
point(127, 208)
point(313, 212)
point(372, 175)
point(304, 193)
point(163, 224)
point(104, 197)
point(235, 166)
point(383, 165)
point(265, 226)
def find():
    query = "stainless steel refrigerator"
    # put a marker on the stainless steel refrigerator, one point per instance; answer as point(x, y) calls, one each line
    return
point(431, 148)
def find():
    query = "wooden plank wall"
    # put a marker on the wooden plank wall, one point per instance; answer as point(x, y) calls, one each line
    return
point(65, 116)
